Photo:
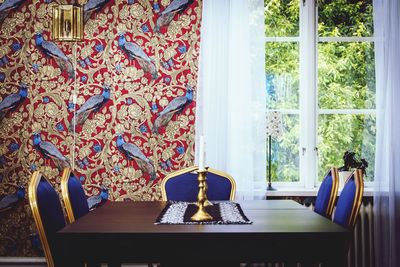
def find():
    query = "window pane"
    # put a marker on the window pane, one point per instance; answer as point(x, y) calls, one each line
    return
point(338, 133)
point(285, 151)
point(281, 18)
point(346, 75)
point(345, 18)
point(282, 75)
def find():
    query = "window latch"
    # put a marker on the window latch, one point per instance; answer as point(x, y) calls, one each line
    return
point(304, 2)
point(303, 151)
point(316, 151)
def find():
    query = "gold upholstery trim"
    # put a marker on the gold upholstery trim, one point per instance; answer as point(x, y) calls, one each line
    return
point(65, 195)
point(36, 176)
point(195, 168)
point(334, 191)
point(359, 181)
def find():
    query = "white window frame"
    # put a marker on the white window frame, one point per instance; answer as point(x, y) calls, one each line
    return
point(308, 99)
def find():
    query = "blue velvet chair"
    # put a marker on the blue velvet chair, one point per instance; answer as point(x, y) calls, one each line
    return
point(47, 213)
point(73, 196)
point(325, 201)
point(182, 185)
point(349, 202)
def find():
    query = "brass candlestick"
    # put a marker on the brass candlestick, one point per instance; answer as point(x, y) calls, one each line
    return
point(207, 202)
point(201, 214)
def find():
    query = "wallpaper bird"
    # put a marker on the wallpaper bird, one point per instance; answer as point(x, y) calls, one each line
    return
point(134, 51)
point(13, 101)
point(9, 201)
point(133, 152)
point(7, 6)
point(92, 6)
point(92, 105)
point(165, 18)
point(48, 150)
point(97, 201)
point(50, 49)
point(177, 105)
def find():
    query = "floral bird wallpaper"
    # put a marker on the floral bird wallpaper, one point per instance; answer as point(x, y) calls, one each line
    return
point(117, 107)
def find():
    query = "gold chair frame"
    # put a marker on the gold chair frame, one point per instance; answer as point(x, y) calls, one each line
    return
point(65, 195)
point(36, 176)
point(193, 169)
point(359, 181)
point(334, 191)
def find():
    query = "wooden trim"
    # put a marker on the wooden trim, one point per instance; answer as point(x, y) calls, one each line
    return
point(23, 261)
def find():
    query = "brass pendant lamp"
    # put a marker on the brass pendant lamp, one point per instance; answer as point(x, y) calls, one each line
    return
point(67, 23)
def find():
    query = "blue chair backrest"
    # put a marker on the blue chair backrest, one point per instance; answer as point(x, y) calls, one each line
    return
point(327, 194)
point(74, 196)
point(349, 201)
point(47, 213)
point(50, 209)
point(77, 197)
point(183, 186)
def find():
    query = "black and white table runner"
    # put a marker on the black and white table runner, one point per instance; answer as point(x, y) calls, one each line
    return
point(222, 213)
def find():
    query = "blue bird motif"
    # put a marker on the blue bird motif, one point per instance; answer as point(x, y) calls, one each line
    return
point(50, 49)
point(9, 201)
point(35, 241)
point(13, 101)
point(97, 201)
point(7, 6)
point(134, 51)
point(93, 104)
point(92, 6)
point(165, 18)
point(48, 150)
point(133, 152)
point(177, 105)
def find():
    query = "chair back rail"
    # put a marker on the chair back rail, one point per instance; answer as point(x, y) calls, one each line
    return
point(182, 185)
point(326, 197)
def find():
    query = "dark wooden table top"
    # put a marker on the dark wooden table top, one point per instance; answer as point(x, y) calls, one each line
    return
point(268, 216)
point(279, 227)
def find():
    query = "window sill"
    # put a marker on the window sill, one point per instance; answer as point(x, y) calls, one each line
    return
point(302, 192)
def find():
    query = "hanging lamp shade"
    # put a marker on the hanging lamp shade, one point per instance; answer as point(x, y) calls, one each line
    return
point(67, 23)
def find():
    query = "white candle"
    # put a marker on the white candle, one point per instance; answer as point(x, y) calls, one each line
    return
point(202, 154)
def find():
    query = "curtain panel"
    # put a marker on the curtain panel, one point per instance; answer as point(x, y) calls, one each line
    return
point(387, 171)
point(230, 110)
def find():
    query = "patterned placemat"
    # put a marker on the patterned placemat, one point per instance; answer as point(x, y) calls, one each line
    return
point(222, 213)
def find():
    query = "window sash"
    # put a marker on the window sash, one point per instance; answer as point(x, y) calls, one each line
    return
point(308, 107)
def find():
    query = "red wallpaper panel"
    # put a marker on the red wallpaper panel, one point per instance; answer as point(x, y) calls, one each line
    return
point(132, 80)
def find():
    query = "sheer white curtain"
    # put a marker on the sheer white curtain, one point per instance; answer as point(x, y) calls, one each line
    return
point(231, 97)
point(387, 170)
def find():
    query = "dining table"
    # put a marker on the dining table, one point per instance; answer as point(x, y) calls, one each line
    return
point(281, 231)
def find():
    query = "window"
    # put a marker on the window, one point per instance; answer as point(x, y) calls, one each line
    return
point(320, 76)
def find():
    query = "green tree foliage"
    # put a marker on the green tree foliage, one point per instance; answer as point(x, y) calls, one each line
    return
point(345, 18)
point(346, 80)
point(281, 17)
